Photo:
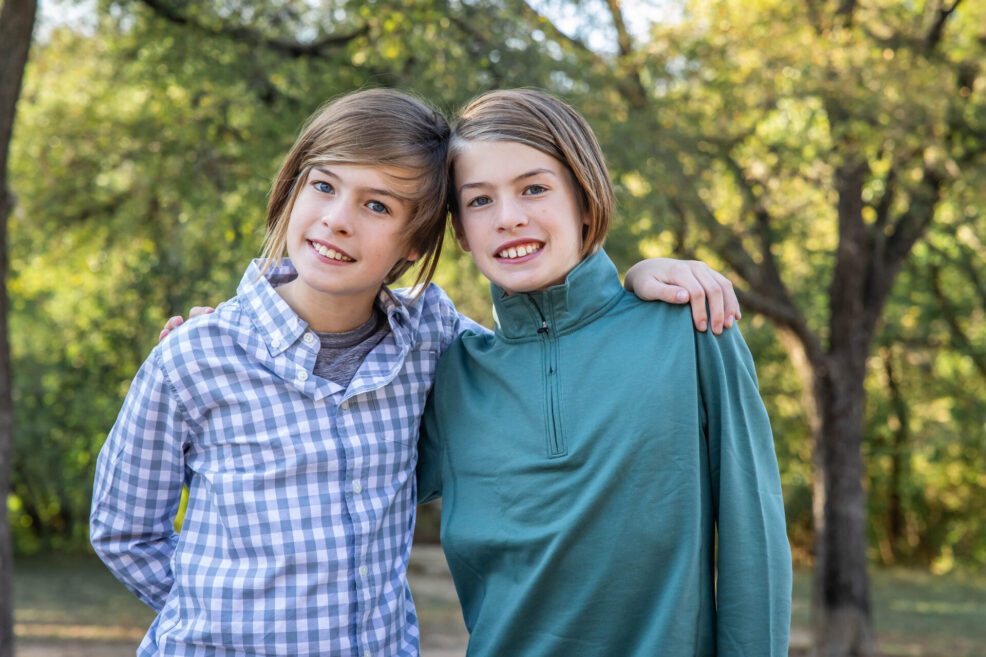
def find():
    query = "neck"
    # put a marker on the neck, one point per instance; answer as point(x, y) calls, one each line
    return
point(327, 313)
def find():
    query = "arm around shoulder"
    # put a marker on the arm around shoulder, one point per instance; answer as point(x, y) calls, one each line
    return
point(753, 597)
point(139, 477)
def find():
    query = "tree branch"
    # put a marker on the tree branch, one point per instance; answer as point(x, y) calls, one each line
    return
point(770, 274)
point(910, 227)
point(913, 223)
point(540, 22)
point(724, 241)
point(934, 36)
point(622, 36)
point(846, 12)
point(788, 318)
point(882, 207)
point(814, 16)
point(293, 49)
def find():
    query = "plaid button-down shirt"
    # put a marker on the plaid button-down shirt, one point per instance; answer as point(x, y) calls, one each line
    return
point(301, 493)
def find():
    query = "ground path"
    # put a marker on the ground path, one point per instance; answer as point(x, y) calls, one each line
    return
point(442, 631)
point(443, 634)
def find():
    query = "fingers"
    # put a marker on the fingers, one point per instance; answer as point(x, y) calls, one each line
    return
point(200, 310)
point(177, 320)
point(685, 274)
point(652, 289)
point(169, 326)
point(713, 294)
point(669, 280)
point(730, 301)
point(705, 284)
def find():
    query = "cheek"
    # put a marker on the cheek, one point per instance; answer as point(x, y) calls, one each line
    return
point(469, 236)
point(296, 218)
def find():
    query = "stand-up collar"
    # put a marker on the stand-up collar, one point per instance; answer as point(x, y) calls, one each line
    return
point(590, 289)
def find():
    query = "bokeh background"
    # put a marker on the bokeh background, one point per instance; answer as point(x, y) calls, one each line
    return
point(828, 156)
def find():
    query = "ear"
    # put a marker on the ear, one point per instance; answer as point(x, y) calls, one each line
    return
point(586, 222)
point(460, 237)
point(412, 256)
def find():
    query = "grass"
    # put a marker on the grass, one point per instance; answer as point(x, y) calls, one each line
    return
point(916, 614)
point(75, 598)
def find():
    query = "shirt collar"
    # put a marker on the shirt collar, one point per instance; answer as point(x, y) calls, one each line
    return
point(280, 326)
point(591, 288)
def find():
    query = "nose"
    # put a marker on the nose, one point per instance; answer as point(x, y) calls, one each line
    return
point(510, 216)
point(338, 219)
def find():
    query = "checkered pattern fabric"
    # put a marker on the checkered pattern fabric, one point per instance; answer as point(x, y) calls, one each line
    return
point(301, 493)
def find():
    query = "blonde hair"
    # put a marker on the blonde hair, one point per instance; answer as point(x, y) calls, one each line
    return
point(380, 128)
point(548, 124)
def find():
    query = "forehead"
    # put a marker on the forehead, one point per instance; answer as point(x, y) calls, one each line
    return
point(401, 182)
point(499, 161)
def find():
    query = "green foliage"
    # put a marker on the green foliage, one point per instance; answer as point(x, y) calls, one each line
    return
point(143, 154)
point(756, 106)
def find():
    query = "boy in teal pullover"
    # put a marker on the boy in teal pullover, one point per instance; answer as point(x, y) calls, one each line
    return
point(584, 520)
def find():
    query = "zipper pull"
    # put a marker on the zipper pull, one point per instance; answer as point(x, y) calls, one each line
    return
point(544, 327)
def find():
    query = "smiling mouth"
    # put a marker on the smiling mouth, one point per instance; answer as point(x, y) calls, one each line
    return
point(520, 250)
point(332, 254)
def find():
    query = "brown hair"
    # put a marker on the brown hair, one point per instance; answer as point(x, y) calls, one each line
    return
point(548, 124)
point(373, 127)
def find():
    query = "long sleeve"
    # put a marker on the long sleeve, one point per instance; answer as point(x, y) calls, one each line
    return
point(138, 484)
point(753, 596)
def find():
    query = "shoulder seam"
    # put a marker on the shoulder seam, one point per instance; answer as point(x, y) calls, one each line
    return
point(173, 391)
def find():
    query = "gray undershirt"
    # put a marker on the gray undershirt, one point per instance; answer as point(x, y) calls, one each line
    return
point(341, 354)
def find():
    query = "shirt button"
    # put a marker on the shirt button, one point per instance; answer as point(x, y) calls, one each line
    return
point(275, 343)
point(344, 405)
point(309, 338)
point(363, 570)
point(302, 375)
point(357, 487)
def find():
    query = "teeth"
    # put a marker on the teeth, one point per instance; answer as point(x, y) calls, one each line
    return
point(331, 253)
point(519, 251)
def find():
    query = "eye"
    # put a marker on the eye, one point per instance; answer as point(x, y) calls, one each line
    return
point(323, 187)
point(535, 190)
point(378, 207)
point(479, 202)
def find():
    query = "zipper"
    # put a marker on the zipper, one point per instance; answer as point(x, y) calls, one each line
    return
point(549, 359)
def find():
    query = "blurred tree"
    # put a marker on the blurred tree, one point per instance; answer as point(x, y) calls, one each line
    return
point(814, 143)
point(809, 147)
point(927, 416)
point(145, 190)
point(16, 26)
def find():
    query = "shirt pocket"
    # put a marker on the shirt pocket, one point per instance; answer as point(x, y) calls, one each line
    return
point(262, 488)
point(393, 412)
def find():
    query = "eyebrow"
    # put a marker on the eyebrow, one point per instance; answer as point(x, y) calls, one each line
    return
point(374, 190)
point(529, 174)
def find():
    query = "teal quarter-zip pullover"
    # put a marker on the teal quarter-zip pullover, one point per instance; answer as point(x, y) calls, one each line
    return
point(590, 454)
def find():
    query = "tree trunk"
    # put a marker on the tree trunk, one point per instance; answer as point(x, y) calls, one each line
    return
point(6, 445)
point(841, 616)
point(16, 24)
